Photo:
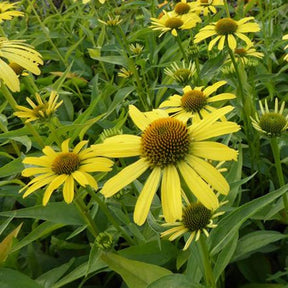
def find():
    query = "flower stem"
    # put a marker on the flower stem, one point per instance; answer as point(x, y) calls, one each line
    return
point(209, 276)
point(81, 206)
point(277, 160)
point(227, 8)
point(8, 96)
point(182, 49)
point(111, 218)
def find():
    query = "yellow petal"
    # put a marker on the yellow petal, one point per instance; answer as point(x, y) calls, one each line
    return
point(9, 77)
point(199, 188)
point(171, 194)
point(80, 178)
point(34, 171)
point(139, 118)
point(146, 196)
point(232, 42)
point(124, 177)
point(68, 190)
point(65, 145)
point(211, 89)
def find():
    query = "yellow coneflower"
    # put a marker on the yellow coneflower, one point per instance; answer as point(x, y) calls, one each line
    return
point(206, 6)
point(6, 13)
point(169, 148)
point(112, 21)
point(183, 74)
point(124, 73)
point(170, 22)
point(272, 124)
point(42, 110)
point(226, 30)
point(195, 102)
point(21, 53)
point(64, 167)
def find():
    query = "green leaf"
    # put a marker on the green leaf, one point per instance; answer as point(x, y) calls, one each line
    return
point(49, 278)
point(40, 231)
point(174, 281)
point(12, 168)
point(211, 66)
point(118, 60)
point(134, 273)
point(11, 279)
point(224, 232)
point(255, 240)
point(57, 212)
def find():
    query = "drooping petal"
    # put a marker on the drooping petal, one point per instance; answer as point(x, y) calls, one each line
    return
point(146, 196)
point(68, 189)
point(139, 118)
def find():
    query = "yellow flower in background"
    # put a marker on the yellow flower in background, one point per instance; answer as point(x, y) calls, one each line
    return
point(206, 6)
point(169, 148)
point(65, 167)
point(271, 123)
point(22, 54)
point(195, 102)
point(5, 14)
point(285, 37)
point(196, 220)
point(42, 110)
point(170, 22)
point(182, 8)
point(88, 1)
point(182, 75)
point(226, 30)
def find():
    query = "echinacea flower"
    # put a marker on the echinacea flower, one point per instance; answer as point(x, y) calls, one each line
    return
point(42, 110)
point(196, 220)
point(170, 22)
point(6, 13)
point(63, 167)
point(285, 37)
point(271, 123)
point(226, 30)
point(183, 75)
point(169, 148)
point(112, 21)
point(206, 6)
point(183, 8)
point(195, 102)
point(21, 53)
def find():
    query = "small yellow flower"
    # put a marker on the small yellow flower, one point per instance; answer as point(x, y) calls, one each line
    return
point(112, 21)
point(8, 15)
point(20, 53)
point(65, 167)
point(285, 37)
point(136, 49)
point(182, 75)
point(207, 6)
point(169, 148)
point(183, 8)
point(226, 30)
point(41, 110)
point(196, 220)
point(170, 22)
point(195, 102)
point(124, 73)
point(272, 124)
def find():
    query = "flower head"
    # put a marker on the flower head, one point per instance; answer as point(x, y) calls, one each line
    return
point(196, 219)
point(136, 49)
point(207, 6)
point(169, 148)
point(273, 123)
point(226, 30)
point(65, 167)
point(21, 53)
point(171, 22)
point(195, 102)
point(183, 75)
point(112, 21)
point(124, 73)
point(183, 8)
point(6, 13)
point(42, 110)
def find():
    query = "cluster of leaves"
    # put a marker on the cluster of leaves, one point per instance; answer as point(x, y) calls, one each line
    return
point(82, 58)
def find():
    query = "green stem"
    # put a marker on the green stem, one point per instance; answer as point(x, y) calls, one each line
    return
point(84, 211)
point(8, 96)
point(227, 8)
point(277, 160)
point(209, 276)
point(182, 49)
point(53, 130)
point(111, 218)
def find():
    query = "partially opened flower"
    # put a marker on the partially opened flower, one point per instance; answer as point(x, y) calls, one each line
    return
point(285, 37)
point(169, 148)
point(21, 53)
point(226, 31)
point(195, 102)
point(182, 74)
point(6, 13)
point(65, 167)
point(271, 123)
point(42, 110)
point(207, 6)
point(196, 220)
point(171, 22)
